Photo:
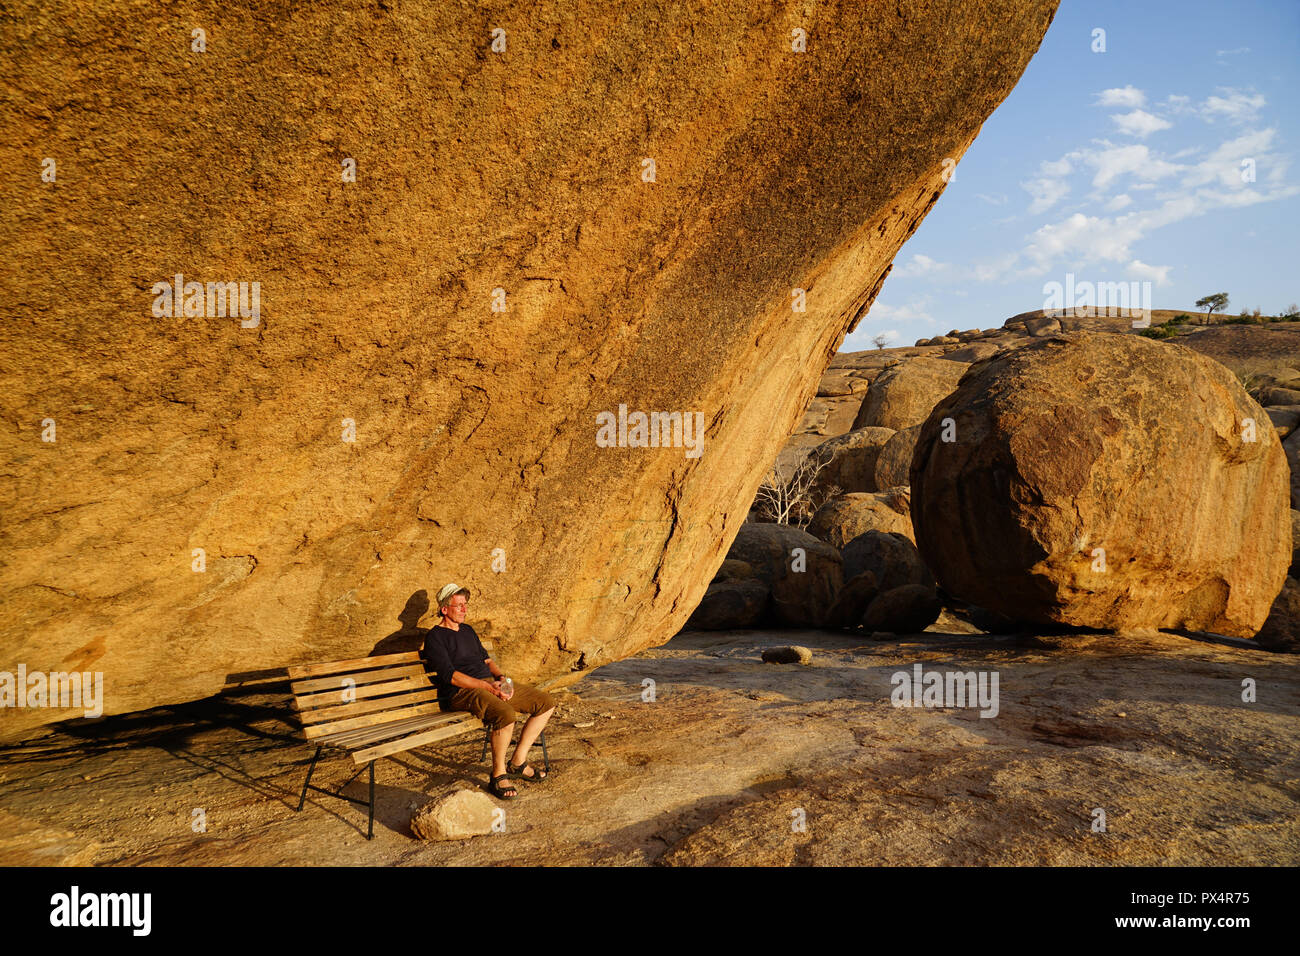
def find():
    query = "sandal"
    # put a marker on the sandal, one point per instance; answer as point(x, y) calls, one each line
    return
point(538, 775)
point(503, 791)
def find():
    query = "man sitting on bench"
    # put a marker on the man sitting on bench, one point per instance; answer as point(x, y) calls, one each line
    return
point(470, 680)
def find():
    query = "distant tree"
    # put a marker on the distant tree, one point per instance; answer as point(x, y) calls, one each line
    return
point(1212, 303)
point(880, 341)
point(1292, 311)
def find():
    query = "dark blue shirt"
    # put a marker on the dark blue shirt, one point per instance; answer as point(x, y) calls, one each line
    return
point(447, 651)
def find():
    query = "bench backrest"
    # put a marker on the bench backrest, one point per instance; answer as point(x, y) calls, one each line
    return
point(337, 696)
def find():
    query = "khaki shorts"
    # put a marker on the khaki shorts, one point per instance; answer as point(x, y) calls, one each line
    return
point(498, 713)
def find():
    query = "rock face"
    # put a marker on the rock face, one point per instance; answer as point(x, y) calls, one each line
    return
point(858, 592)
point(803, 574)
point(903, 395)
point(738, 602)
point(892, 558)
point(1076, 492)
point(456, 258)
point(456, 816)
point(842, 519)
point(905, 610)
point(894, 463)
point(849, 461)
point(1281, 630)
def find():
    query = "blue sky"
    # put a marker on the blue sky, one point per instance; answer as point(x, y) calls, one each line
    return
point(1118, 166)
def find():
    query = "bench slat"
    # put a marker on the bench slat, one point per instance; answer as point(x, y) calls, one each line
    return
point(352, 739)
point(367, 735)
point(298, 671)
point(408, 743)
point(370, 720)
point(357, 678)
point(356, 708)
point(365, 690)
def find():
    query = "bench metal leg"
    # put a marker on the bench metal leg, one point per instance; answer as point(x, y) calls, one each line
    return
point(371, 830)
point(310, 771)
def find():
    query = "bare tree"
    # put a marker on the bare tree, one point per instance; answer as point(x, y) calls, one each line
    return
point(880, 341)
point(793, 498)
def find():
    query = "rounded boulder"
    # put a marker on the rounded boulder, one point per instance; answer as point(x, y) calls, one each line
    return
point(1105, 481)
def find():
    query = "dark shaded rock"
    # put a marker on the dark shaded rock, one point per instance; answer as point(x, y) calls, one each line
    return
point(904, 610)
point(1281, 631)
point(1285, 418)
point(992, 622)
point(1295, 544)
point(733, 569)
point(852, 601)
point(892, 558)
point(788, 655)
point(850, 461)
point(730, 604)
point(1279, 396)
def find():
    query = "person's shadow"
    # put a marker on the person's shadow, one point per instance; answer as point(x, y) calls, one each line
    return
point(410, 637)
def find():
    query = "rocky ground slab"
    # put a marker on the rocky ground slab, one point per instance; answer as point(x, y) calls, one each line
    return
point(735, 761)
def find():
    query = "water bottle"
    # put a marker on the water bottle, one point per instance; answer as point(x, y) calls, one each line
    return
point(507, 687)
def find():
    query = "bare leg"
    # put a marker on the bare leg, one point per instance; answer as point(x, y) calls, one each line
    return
point(532, 729)
point(500, 743)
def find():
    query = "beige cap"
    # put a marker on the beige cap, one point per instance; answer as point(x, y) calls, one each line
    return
point(447, 590)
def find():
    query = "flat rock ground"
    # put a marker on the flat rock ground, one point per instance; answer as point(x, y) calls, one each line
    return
point(726, 759)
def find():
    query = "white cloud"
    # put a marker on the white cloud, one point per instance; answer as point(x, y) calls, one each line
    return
point(1229, 104)
point(1046, 193)
point(913, 311)
point(997, 200)
point(1083, 239)
point(1137, 269)
point(917, 266)
point(1119, 202)
point(1125, 96)
point(1137, 161)
point(1223, 165)
point(1235, 107)
point(993, 269)
point(1140, 123)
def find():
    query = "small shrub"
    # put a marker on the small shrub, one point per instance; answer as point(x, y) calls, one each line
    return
point(1158, 332)
point(1181, 319)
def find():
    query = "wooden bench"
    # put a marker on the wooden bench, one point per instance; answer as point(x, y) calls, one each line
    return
point(374, 707)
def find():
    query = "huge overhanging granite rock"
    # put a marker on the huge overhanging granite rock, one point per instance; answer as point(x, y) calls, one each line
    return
point(455, 255)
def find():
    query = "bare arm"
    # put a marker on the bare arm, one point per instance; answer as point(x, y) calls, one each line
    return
point(461, 679)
